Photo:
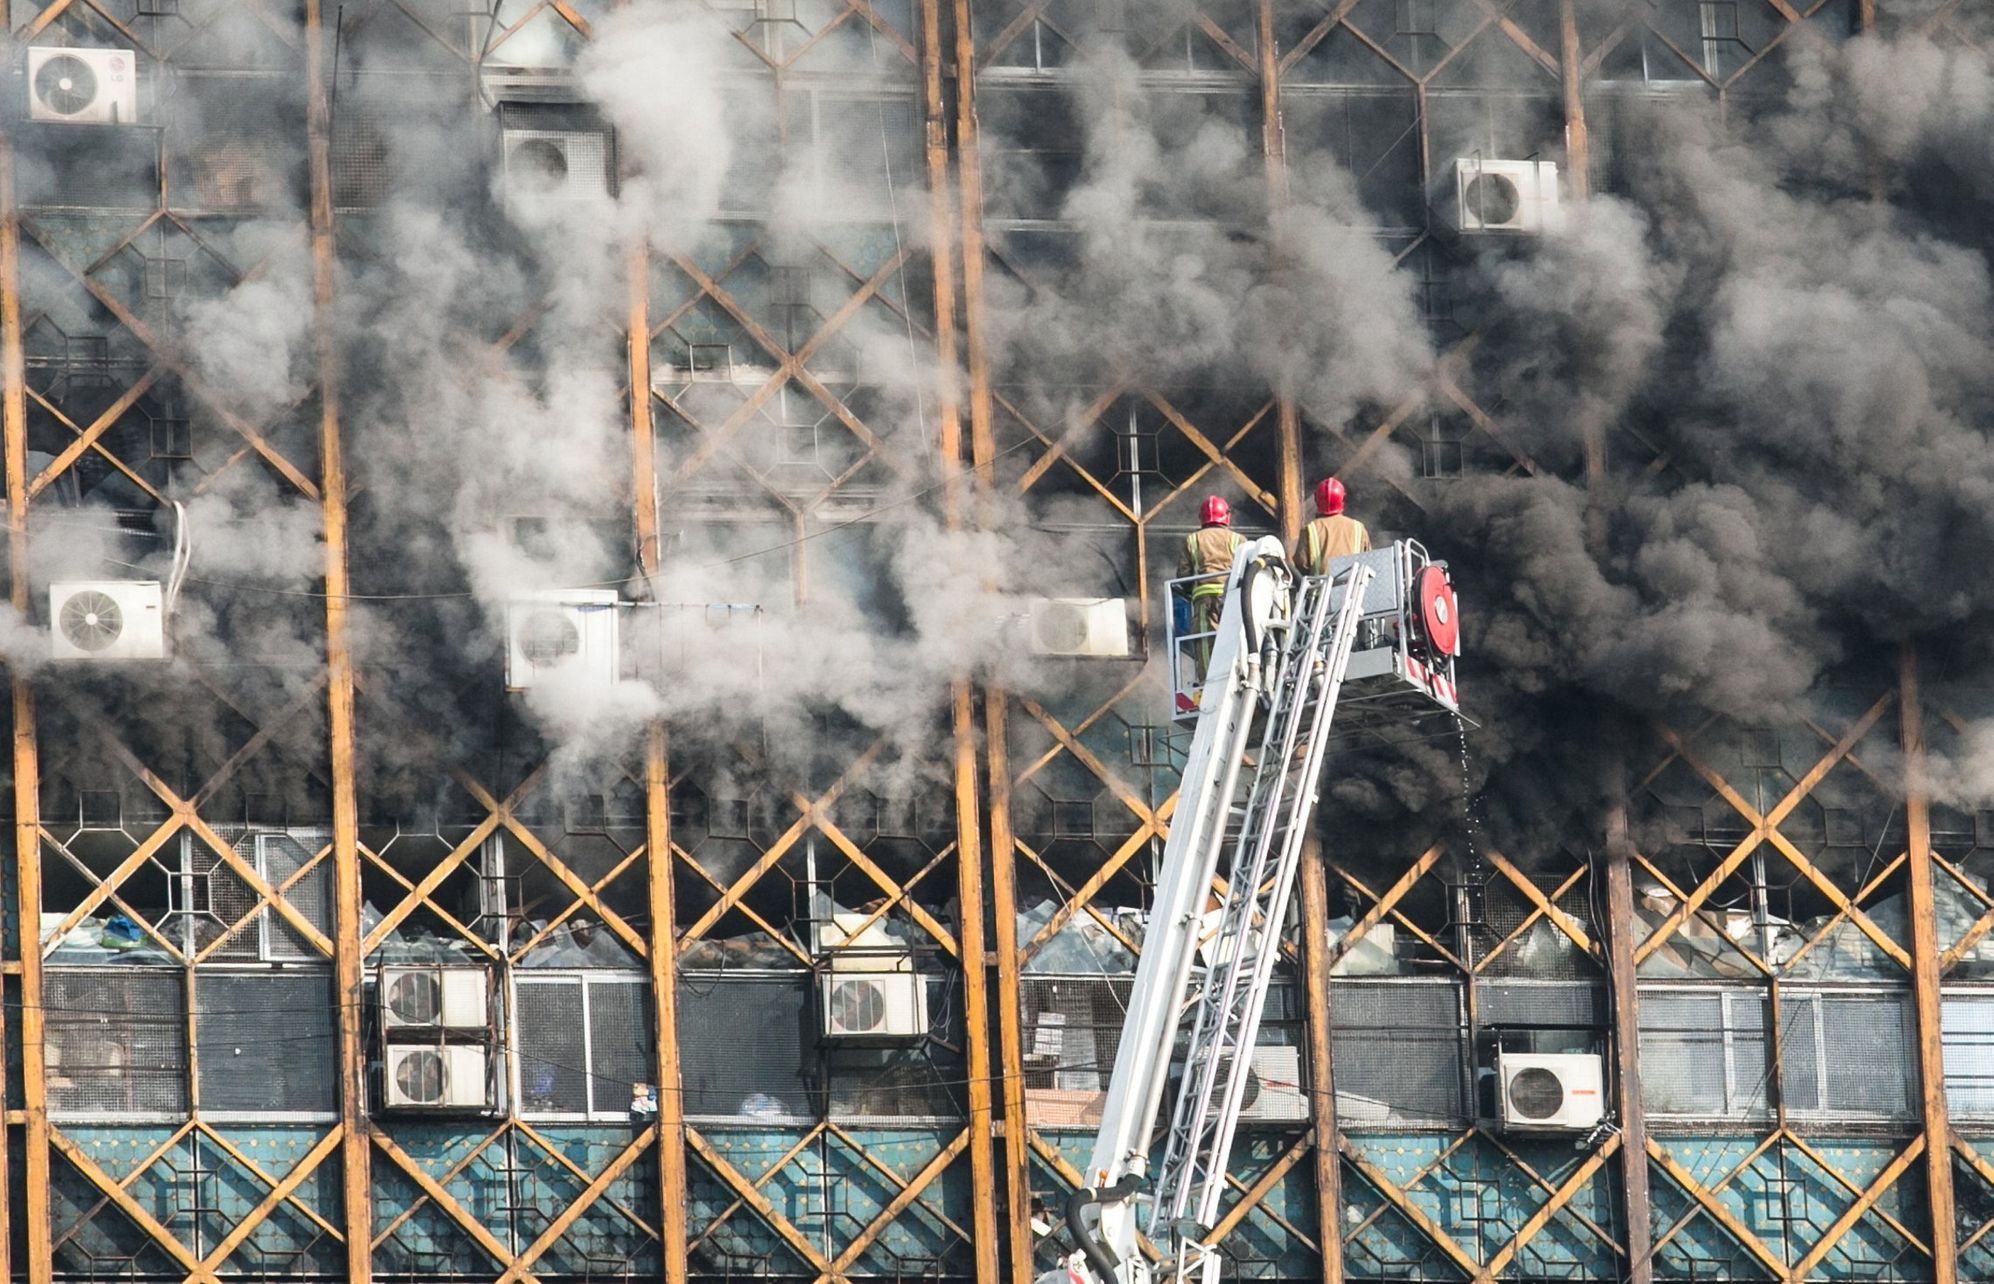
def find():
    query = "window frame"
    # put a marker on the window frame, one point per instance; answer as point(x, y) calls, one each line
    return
point(583, 979)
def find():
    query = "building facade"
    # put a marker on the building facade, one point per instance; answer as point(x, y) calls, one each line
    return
point(368, 363)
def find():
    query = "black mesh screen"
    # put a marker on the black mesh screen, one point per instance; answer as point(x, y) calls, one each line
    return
point(265, 1043)
point(743, 1043)
point(619, 1042)
point(1398, 1051)
point(116, 1041)
point(553, 1060)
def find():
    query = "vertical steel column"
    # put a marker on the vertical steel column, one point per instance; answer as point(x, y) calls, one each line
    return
point(1322, 1065)
point(27, 752)
point(1925, 950)
point(1274, 147)
point(356, 1189)
point(1626, 1032)
point(1618, 944)
point(1578, 146)
point(657, 799)
point(1007, 1068)
point(968, 815)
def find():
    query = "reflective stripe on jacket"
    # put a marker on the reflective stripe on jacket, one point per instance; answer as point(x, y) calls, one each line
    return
point(1209, 551)
point(1327, 538)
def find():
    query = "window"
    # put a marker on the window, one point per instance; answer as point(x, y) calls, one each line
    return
point(1966, 1037)
point(1706, 1053)
point(116, 1043)
point(210, 897)
point(582, 1046)
point(264, 1043)
point(1398, 1051)
point(742, 1046)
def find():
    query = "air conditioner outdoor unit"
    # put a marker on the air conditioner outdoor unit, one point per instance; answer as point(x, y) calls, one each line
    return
point(107, 620)
point(565, 634)
point(433, 1077)
point(83, 86)
point(878, 1006)
point(556, 164)
point(1551, 1092)
point(1083, 626)
point(1275, 1091)
point(857, 946)
point(448, 998)
point(1506, 195)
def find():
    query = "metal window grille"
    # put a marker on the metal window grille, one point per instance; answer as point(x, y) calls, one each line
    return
point(1966, 1040)
point(1400, 1051)
point(581, 1043)
point(279, 857)
point(116, 1043)
point(711, 359)
point(1865, 1054)
point(265, 1043)
point(1442, 450)
point(1707, 1053)
point(212, 897)
point(1703, 1053)
point(745, 1045)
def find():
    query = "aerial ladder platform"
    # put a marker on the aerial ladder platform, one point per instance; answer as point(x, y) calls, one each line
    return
point(1377, 634)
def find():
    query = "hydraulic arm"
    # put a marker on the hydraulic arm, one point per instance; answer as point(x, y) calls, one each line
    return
point(1272, 675)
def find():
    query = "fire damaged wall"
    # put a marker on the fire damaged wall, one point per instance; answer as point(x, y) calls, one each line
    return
point(549, 737)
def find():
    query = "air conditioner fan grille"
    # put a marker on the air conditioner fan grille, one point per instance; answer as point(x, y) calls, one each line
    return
point(91, 620)
point(67, 84)
point(1536, 1093)
point(420, 1075)
point(416, 997)
point(1493, 199)
point(547, 637)
point(858, 1005)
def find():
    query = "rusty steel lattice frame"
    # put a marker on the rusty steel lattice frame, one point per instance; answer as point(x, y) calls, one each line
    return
point(998, 1144)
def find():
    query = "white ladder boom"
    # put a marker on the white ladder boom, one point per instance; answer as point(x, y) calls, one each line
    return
point(1282, 648)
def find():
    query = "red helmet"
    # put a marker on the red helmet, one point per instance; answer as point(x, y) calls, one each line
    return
point(1329, 497)
point(1215, 511)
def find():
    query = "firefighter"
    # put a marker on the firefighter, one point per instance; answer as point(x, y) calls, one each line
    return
point(1331, 535)
point(1208, 551)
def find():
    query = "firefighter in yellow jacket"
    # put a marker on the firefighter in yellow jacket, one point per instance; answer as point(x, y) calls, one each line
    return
point(1331, 535)
point(1209, 551)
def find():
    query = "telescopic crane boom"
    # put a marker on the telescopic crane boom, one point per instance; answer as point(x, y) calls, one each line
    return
point(1377, 634)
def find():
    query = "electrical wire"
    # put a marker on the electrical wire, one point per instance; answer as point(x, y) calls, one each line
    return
point(712, 564)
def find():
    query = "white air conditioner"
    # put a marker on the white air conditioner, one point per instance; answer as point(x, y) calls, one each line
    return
point(435, 1077)
point(1551, 1091)
point(856, 946)
point(1506, 195)
point(448, 998)
point(107, 620)
point(880, 1006)
point(564, 635)
point(83, 86)
point(1089, 626)
point(1274, 1093)
point(556, 164)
